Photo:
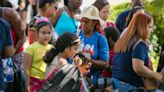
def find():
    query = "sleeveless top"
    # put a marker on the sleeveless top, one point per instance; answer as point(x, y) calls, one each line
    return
point(14, 38)
point(65, 23)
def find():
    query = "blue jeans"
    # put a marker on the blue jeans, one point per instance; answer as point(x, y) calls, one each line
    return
point(122, 86)
point(1, 77)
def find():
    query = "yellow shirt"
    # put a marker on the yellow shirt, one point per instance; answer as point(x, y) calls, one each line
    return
point(38, 66)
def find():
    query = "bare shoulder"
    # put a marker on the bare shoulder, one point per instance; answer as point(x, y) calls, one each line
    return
point(9, 14)
point(12, 13)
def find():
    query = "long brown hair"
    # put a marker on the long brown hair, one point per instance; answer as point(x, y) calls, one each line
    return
point(137, 29)
point(100, 4)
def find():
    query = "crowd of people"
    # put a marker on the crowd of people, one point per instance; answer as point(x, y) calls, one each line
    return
point(74, 50)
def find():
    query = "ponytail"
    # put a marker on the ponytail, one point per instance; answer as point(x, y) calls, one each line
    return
point(49, 56)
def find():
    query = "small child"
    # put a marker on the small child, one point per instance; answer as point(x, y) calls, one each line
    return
point(112, 34)
point(34, 65)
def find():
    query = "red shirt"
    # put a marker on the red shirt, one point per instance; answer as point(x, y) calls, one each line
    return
point(15, 39)
point(107, 72)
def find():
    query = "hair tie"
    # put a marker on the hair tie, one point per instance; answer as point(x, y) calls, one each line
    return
point(42, 19)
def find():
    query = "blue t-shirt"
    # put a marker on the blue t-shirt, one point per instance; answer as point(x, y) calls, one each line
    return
point(5, 40)
point(122, 65)
point(66, 24)
point(121, 20)
point(96, 46)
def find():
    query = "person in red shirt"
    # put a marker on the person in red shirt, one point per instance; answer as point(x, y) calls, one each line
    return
point(112, 34)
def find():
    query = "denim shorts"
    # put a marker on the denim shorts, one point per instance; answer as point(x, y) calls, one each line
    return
point(122, 86)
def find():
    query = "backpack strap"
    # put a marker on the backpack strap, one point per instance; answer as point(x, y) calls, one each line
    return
point(58, 14)
point(78, 32)
point(140, 40)
point(68, 76)
point(51, 74)
point(98, 46)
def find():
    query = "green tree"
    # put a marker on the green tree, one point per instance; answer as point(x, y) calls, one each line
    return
point(156, 9)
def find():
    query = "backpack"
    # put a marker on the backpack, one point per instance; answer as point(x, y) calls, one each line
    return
point(19, 79)
point(64, 79)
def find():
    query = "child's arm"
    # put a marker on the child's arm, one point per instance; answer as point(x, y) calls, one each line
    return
point(27, 65)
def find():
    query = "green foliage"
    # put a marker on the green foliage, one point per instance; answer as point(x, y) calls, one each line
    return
point(116, 10)
point(156, 9)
